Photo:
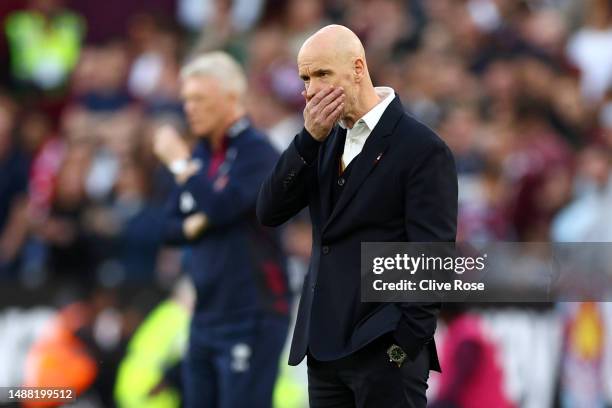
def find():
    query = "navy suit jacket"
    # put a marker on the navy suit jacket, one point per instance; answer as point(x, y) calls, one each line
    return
point(403, 187)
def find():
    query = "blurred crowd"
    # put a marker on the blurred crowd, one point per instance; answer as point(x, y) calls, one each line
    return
point(521, 90)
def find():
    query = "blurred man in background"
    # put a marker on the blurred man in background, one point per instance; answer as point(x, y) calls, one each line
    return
point(241, 316)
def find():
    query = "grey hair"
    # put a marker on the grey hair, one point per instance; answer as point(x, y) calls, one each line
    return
point(219, 65)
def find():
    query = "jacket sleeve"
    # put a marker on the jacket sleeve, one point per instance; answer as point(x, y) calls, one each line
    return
point(226, 203)
point(430, 216)
point(285, 192)
point(173, 221)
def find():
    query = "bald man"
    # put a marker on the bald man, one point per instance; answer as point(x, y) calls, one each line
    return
point(368, 172)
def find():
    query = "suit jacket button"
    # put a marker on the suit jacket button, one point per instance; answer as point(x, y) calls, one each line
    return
point(341, 181)
point(325, 250)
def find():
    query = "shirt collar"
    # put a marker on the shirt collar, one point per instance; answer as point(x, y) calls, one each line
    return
point(232, 132)
point(372, 117)
point(238, 127)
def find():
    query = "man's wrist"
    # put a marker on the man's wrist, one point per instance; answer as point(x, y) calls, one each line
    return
point(182, 169)
point(410, 344)
point(307, 146)
point(177, 167)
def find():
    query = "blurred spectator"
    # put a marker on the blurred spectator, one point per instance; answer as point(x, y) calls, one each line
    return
point(240, 15)
point(586, 218)
point(472, 376)
point(275, 99)
point(546, 30)
point(59, 358)
point(154, 68)
point(130, 229)
point(70, 249)
point(82, 346)
point(590, 48)
point(109, 20)
point(222, 23)
point(149, 375)
point(13, 190)
point(45, 43)
point(460, 129)
point(539, 168)
point(301, 19)
point(103, 90)
point(277, 119)
point(384, 42)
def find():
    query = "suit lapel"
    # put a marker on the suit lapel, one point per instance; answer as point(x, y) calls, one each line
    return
point(328, 170)
point(373, 150)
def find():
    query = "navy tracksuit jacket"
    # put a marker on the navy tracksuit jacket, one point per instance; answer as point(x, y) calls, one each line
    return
point(240, 321)
point(237, 265)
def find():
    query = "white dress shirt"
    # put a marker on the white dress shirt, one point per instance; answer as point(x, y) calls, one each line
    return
point(358, 134)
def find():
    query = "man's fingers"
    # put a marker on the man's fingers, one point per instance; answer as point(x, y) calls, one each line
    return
point(165, 134)
point(331, 97)
point(335, 115)
point(320, 95)
point(330, 120)
point(167, 131)
point(326, 101)
point(323, 111)
point(321, 108)
point(332, 105)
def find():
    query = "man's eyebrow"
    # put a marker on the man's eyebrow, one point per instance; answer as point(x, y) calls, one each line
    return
point(321, 71)
point(315, 73)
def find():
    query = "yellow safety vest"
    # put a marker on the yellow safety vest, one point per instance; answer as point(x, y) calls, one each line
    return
point(44, 51)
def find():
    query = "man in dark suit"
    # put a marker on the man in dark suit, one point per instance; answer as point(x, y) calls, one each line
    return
point(377, 176)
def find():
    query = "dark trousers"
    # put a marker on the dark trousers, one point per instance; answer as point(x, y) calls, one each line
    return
point(367, 379)
point(234, 366)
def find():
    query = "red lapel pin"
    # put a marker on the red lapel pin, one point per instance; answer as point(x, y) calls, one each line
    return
point(378, 158)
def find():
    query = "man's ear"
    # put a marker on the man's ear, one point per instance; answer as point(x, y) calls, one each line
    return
point(359, 69)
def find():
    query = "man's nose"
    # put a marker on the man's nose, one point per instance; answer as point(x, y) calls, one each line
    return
point(312, 89)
